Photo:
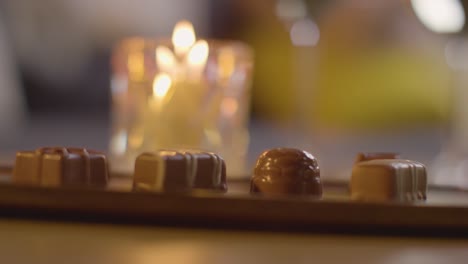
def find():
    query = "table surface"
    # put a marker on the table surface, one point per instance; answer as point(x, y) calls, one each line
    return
point(46, 241)
point(55, 242)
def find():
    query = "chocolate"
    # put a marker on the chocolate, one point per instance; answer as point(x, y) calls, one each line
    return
point(59, 166)
point(286, 171)
point(179, 171)
point(376, 155)
point(388, 180)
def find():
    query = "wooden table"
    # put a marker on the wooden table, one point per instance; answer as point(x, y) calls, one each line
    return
point(68, 241)
point(37, 242)
point(24, 240)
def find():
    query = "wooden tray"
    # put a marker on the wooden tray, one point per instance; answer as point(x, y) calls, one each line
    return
point(445, 213)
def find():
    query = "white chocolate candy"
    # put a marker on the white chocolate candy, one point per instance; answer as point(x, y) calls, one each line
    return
point(388, 180)
point(179, 171)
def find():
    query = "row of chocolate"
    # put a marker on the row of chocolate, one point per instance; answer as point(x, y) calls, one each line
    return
point(280, 171)
point(374, 177)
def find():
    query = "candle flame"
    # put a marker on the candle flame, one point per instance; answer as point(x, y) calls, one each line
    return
point(161, 85)
point(183, 37)
point(198, 53)
point(165, 59)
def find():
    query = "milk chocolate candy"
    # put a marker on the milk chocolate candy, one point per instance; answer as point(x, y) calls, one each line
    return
point(388, 180)
point(375, 155)
point(59, 166)
point(286, 171)
point(179, 171)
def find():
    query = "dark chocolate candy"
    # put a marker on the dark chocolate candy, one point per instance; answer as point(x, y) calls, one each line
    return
point(179, 171)
point(59, 166)
point(286, 171)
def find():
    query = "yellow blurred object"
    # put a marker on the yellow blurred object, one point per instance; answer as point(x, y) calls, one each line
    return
point(274, 94)
point(385, 88)
point(374, 67)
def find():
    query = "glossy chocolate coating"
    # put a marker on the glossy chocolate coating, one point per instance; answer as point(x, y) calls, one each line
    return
point(179, 171)
point(59, 166)
point(376, 155)
point(286, 171)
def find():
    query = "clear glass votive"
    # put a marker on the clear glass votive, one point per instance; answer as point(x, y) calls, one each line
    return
point(165, 97)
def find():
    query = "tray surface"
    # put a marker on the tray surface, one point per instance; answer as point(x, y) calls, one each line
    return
point(444, 213)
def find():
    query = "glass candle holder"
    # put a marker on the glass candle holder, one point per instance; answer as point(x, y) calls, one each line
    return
point(166, 96)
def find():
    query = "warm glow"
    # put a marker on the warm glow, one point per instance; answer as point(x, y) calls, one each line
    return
point(226, 62)
point(441, 16)
point(136, 137)
point(136, 65)
point(165, 59)
point(213, 136)
point(161, 85)
point(229, 106)
point(183, 37)
point(198, 53)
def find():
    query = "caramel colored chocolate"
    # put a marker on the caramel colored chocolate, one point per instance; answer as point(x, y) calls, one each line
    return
point(179, 171)
point(388, 180)
point(60, 166)
point(286, 171)
point(376, 155)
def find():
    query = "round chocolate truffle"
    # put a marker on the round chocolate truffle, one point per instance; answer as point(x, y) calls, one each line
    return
point(286, 171)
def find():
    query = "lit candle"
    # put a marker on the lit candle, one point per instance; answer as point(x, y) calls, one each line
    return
point(181, 71)
point(161, 85)
point(183, 37)
point(165, 60)
point(172, 101)
point(196, 59)
point(189, 57)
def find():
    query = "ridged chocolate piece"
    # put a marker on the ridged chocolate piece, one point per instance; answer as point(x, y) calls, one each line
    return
point(388, 180)
point(179, 171)
point(286, 171)
point(58, 166)
point(376, 155)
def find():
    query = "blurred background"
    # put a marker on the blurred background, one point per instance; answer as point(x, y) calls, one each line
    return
point(332, 77)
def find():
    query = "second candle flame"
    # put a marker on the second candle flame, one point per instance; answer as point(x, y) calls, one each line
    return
point(161, 85)
point(183, 37)
point(198, 54)
point(165, 59)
